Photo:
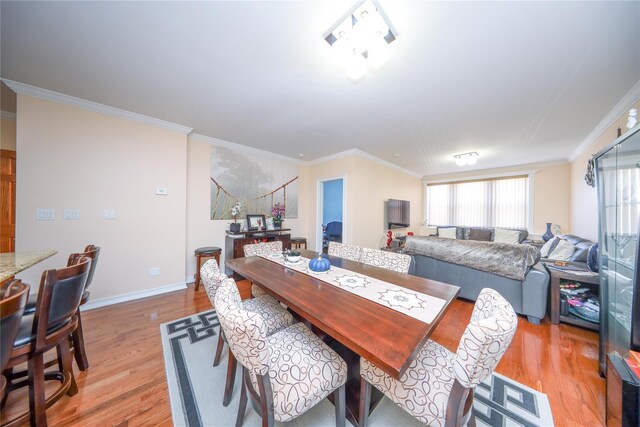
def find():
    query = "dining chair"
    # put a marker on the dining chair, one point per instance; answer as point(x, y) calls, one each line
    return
point(285, 373)
point(346, 251)
point(79, 352)
point(438, 386)
point(50, 326)
point(388, 260)
point(12, 306)
point(274, 315)
point(262, 248)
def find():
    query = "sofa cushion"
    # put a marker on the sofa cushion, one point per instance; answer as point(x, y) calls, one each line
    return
point(447, 232)
point(481, 234)
point(582, 247)
point(563, 251)
point(503, 235)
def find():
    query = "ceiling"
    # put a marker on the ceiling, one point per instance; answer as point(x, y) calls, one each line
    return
point(518, 82)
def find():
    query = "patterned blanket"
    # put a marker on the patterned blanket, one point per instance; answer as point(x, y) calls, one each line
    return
point(512, 261)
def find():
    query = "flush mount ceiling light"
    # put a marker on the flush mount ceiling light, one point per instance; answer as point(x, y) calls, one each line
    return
point(360, 39)
point(466, 158)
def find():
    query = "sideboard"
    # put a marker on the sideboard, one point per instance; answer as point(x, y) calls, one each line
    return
point(234, 244)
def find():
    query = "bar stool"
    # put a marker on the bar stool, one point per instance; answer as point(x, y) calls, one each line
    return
point(202, 255)
point(297, 242)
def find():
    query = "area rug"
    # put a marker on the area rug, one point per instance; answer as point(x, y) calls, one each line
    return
point(196, 389)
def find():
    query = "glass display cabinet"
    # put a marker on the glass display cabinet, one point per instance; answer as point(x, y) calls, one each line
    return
point(618, 181)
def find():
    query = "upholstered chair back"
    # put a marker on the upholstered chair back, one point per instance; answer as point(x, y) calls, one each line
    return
point(343, 250)
point(263, 248)
point(246, 332)
point(486, 338)
point(211, 278)
point(388, 260)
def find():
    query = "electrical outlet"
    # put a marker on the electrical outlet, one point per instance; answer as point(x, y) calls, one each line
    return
point(71, 214)
point(108, 214)
point(154, 271)
point(161, 191)
point(45, 214)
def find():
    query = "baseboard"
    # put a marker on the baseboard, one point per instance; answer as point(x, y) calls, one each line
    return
point(133, 296)
point(190, 279)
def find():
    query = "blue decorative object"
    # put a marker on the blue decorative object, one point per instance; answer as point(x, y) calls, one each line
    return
point(592, 257)
point(319, 264)
point(548, 235)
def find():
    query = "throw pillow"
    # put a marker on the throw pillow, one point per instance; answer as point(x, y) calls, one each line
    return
point(549, 246)
point(447, 232)
point(502, 235)
point(563, 251)
point(480, 234)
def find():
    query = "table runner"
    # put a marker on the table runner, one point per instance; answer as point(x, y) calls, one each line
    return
point(420, 306)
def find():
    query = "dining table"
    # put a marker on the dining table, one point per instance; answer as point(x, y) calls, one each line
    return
point(353, 325)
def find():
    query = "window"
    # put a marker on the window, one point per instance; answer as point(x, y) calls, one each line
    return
point(499, 202)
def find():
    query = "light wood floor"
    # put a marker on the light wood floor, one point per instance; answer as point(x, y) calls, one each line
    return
point(126, 384)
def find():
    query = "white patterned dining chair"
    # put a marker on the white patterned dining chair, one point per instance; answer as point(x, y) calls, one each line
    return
point(385, 259)
point(257, 249)
point(286, 373)
point(274, 316)
point(438, 386)
point(346, 251)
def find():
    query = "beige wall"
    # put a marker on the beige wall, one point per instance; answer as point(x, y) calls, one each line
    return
point(551, 191)
point(75, 159)
point(201, 230)
point(8, 134)
point(584, 199)
point(367, 185)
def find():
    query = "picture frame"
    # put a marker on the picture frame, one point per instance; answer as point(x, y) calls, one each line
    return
point(255, 222)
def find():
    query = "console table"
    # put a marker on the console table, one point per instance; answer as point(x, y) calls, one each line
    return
point(592, 280)
point(234, 244)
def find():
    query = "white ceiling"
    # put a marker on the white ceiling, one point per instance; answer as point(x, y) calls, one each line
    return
point(517, 82)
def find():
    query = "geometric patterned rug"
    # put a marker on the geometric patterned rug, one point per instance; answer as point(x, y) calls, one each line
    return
point(196, 389)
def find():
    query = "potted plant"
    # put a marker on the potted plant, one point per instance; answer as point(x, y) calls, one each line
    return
point(235, 211)
point(277, 211)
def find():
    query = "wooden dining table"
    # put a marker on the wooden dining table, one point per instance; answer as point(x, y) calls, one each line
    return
point(354, 326)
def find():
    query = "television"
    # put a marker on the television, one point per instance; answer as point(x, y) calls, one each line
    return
point(398, 213)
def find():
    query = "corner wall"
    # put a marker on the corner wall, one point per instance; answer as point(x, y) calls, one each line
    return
point(70, 158)
point(584, 199)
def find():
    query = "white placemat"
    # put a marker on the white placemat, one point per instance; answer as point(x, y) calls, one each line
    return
point(415, 304)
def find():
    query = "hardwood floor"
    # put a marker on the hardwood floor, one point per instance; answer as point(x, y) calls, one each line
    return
point(126, 383)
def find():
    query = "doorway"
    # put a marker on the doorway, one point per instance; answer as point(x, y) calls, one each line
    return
point(331, 212)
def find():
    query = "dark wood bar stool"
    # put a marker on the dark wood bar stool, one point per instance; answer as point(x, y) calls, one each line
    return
point(11, 308)
point(203, 255)
point(297, 242)
point(79, 352)
point(49, 327)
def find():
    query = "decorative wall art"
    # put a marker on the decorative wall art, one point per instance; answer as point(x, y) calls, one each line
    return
point(256, 181)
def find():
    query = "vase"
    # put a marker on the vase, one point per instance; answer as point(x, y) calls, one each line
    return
point(235, 227)
point(592, 257)
point(277, 223)
point(548, 235)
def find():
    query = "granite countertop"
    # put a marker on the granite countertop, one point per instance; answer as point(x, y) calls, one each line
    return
point(12, 263)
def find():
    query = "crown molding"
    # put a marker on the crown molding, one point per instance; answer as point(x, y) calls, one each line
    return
point(521, 169)
point(25, 89)
point(618, 110)
point(239, 147)
point(7, 115)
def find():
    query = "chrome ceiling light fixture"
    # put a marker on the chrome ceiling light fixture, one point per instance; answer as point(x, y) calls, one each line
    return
point(466, 159)
point(360, 39)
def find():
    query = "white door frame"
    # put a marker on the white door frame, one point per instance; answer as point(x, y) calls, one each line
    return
point(320, 206)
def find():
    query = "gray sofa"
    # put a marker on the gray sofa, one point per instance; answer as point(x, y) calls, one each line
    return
point(528, 297)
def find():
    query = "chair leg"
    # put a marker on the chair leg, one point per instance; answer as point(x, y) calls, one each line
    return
point(472, 420)
point(231, 378)
point(365, 401)
point(79, 351)
point(340, 405)
point(216, 359)
point(243, 400)
point(64, 352)
point(37, 406)
point(7, 374)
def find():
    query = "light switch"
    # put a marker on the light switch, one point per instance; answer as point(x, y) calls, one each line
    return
point(161, 191)
point(154, 271)
point(45, 214)
point(71, 214)
point(108, 214)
